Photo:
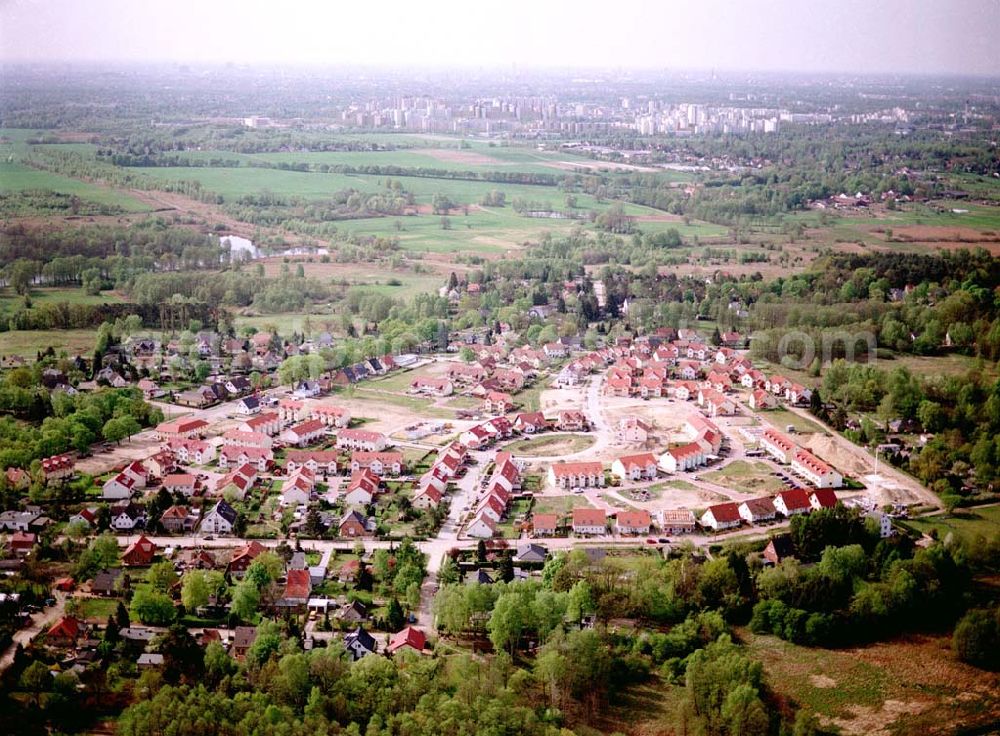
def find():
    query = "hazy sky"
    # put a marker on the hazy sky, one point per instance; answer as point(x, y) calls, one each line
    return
point(918, 36)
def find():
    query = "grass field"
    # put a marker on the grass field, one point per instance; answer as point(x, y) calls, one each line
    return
point(967, 524)
point(559, 504)
point(29, 342)
point(781, 418)
point(751, 477)
point(906, 686)
point(15, 176)
point(54, 295)
point(552, 444)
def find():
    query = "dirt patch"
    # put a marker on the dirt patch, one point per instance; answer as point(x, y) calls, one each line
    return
point(935, 233)
point(822, 681)
point(458, 156)
point(876, 721)
point(595, 166)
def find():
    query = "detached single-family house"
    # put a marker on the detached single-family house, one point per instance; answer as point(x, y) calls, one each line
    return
point(589, 522)
point(633, 522)
point(721, 516)
point(635, 467)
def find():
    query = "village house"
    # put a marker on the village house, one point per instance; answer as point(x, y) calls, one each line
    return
point(268, 423)
point(359, 643)
point(362, 488)
point(756, 510)
point(777, 445)
point(823, 498)
point(589, 522)
point(632, 430)
point(182, 483)
point(161, 463)
point(408, 638)
point(427, 497)
point(21, 543)
point(715, 403)
point(192, 452)
point(498, 403)
point(572, 421)
point(177, 519)
point(432, 386)
point(530, 422)
point(319, 462)
point(292, 410)
point(576, 475)
point(633, 522)
point(778, 549)
point(682, 458)
point(237, 483)
point(241, 558)
point(544, 525)
point(380, 463)
point(466, 372)
point(331, 415)
point(353, 525)
point(128, 516)
point(482, 527)
point(220, 519)
point(635, 467)
point(119, 487)
point(140, 553)
point(297, 488)
point(307, 433)
point(791, 502)
point(361, 439)
point(58, 468)
point(248, 405)
point(677, 521)
point(815, 471)
point(721, 516)
point(761, 400)
point(243, 639)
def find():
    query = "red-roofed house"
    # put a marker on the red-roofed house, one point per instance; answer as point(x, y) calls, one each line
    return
point(544, 525)
point(139, 553)
point(814, 470)
point(823, 498)
point(721, 516)
point(361, 439)
point(64, 632)
point(306, 433)
point(791, 502)
point(409, 637)
point(635, 467)
point(380, 463)
point(682, 458)
point(581, 474)
point(58, 467)
point(777, 445)
point(633, 522)
point(756, 510)
point(589, 521)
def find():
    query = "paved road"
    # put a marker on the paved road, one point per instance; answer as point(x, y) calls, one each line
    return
point(39, 622)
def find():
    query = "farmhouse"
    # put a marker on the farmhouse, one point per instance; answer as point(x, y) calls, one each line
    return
point(635, 467)
point(580, 474)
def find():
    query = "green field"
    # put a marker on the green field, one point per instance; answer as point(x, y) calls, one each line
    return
point(15, 176)
point(28, 342)
point(54, 295)
point(780, 418)
point(750, 477)
point(552, 444)
point(967, 524)
point(559, 504)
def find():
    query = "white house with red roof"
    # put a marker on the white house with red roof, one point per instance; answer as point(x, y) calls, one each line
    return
point(823, 498)
point(232, 456)
point(589, 522)
point(791, 502)
point(362, 489)
point(192, 452)
point(633, 522)
point(361, 439)
point(317, 461)
point(761, 400)
point(530, 422)
point(183, 483)
point(331, 415)
point(777, 445)
point(635, 467)
point(380, 463)
point(181, 428)
point(815, 471)
point(683, 458)
point(482, 527)
point(588, 474)
point(268, 423)
point(305, 433)
point(721, 516)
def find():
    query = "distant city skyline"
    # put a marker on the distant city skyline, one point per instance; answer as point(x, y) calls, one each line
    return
point(853, 36)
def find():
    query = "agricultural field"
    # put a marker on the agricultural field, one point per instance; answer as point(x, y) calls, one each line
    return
point(27, 343)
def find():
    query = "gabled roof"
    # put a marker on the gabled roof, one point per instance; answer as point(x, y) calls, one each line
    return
point(794, 498)
point(362, 637)
point(408, 637)
point(589, 517)
point(723, 512)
